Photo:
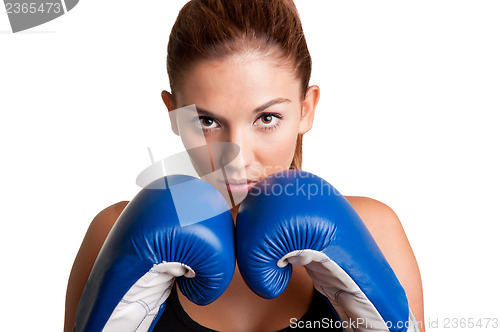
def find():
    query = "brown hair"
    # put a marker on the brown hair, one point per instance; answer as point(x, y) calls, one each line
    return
point(213, 29)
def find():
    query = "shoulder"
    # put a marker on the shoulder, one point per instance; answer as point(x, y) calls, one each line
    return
point(104, 221)
point(96, 234)
point(109, 213)
point(101, 225)
point(370, 207)
point(99, 229)
point(381, 220)
point(91, 245)
point(378, 217)
point(113, 210)
point(385, 227)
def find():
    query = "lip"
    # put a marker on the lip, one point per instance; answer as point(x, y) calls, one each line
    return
point(238, 181)
point(239, 186)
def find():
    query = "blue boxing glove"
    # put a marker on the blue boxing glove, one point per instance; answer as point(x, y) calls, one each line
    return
point(298, 218)
point(177, 226)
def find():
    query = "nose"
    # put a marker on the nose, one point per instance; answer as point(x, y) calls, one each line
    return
point(242, 140)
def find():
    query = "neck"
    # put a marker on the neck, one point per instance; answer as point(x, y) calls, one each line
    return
point(234, 213)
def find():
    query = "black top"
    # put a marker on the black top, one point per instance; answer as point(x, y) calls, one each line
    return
point(319, 315)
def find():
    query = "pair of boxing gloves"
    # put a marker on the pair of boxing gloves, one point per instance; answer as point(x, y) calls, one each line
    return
point(181, 227)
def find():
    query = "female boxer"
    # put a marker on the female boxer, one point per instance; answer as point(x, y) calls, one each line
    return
point(245, 65)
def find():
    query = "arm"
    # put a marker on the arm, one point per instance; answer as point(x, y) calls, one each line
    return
point(84, 261)
point(385, 227)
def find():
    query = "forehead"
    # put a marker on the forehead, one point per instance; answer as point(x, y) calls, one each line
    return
point(239, 79)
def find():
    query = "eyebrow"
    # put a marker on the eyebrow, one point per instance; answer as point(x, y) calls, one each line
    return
point(270, 103)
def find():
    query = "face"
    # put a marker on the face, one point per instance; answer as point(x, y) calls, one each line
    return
point(250, 109)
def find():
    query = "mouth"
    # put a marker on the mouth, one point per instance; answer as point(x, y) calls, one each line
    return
point(238, 186)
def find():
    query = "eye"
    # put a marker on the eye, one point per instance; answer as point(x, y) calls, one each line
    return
point(206, 123)
point(268, 120)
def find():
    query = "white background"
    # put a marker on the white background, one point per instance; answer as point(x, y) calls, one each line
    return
point(409, 115)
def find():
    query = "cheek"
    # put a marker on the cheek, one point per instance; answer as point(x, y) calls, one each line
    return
point(278, 152)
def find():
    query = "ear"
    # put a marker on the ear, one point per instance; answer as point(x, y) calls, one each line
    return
point(308, 108)
point(168, 99)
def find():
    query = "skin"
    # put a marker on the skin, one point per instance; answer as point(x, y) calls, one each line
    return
point(231, 89)
point(266, 138)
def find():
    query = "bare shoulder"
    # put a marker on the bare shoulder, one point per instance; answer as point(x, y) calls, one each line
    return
point(104, 220)
point(99, 228)
point(385, 227)
point(379, 218)
point(91, 245)
point(96, 234)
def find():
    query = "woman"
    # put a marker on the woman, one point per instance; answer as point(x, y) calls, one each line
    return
point(245, 65)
